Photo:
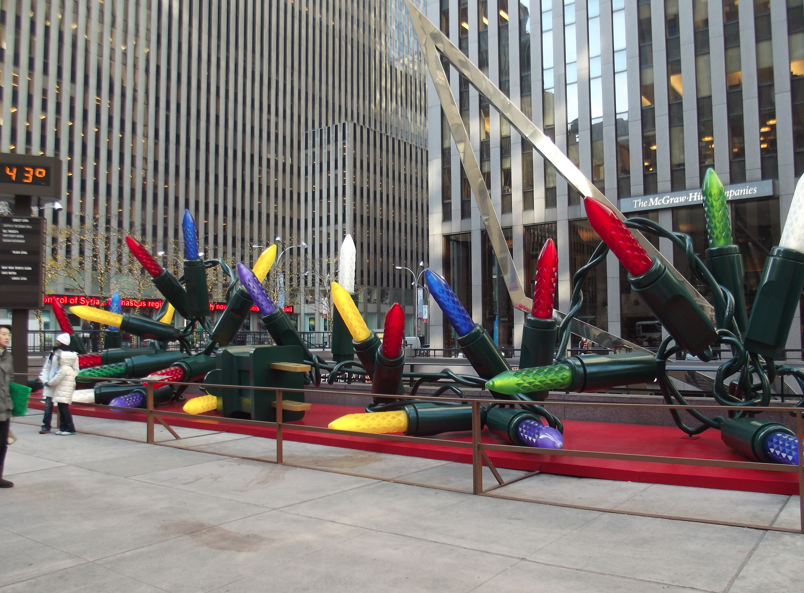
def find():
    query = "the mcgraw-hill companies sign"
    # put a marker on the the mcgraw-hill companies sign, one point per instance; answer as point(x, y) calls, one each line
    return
point(741, 191)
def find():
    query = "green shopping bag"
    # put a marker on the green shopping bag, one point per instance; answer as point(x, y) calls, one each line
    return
point(19, 398)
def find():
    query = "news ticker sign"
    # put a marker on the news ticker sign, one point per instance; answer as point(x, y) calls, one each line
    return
point(739, 191)
point(72, 300)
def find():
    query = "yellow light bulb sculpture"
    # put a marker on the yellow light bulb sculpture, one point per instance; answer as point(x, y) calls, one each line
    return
point(376, 423)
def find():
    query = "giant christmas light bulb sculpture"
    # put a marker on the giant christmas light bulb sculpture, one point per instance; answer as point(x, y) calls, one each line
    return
point(135, 399)
point(342, 348)
point(365, 342)
point(475, 341)
point(195, 274)
point(412, 420)
point(141, 326)
point(115, 306)
point(390, 358)
point(167, 318)
point(539, 331)
point(723, 257)
point(240, 303)
point(591, 372)
point(164, 281)
point(664, 295)
point(521, 427)
point(780, 286)
point(281, 328)
point(64, 323)
point(112, 337)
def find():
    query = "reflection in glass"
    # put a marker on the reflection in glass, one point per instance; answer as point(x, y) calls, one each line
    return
point(457, 264)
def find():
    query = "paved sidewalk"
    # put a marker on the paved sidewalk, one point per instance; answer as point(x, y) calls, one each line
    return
point(95, 513)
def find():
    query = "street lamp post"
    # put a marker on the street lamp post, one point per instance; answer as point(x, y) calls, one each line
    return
point(419, 331)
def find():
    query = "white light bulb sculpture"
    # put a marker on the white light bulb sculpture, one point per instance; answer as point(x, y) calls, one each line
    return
point(346, 266)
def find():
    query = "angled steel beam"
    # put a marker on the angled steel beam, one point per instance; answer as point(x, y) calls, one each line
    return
point(432, 41)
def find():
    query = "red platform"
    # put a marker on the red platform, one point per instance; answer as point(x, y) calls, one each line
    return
point(583, 436)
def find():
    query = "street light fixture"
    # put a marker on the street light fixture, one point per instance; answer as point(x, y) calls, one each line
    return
point(415, 284)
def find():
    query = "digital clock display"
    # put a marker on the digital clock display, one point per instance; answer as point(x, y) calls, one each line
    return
point(30, 175)
point(22, 175)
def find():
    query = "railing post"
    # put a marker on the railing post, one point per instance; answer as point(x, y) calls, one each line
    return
point(477, 459)
point(279, 452)
point(800, 446)
point(149, 413)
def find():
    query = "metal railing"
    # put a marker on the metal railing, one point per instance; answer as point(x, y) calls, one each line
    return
point(479, 449)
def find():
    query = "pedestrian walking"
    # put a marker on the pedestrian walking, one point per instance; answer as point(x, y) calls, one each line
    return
point(6, 374)
point(49, 371)
point(63, 385)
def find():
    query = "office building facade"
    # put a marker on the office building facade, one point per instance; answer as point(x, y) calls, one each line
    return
point(223, 108)
point(643, 97)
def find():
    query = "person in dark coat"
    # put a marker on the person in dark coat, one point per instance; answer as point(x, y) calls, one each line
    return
point(6, 375)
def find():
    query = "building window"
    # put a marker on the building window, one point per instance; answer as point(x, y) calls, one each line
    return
point(466, 196)
point(691, 221)
point(648, 98)
point(675, 95)
point(767, 95)
point(483, 36)
point(505, 165)
point(548, 100)
point(457, 264)
point(621, 98)
point(524, 59)
point(596, 95)
point(756, 230)
point(446, 170)
point(583, 242)
point(703, 72)
point(527, 175)
point(571, 99)
point(734, 85)
point(463, 37)
point(795, 32)
point(498, 311)
point(504, 62)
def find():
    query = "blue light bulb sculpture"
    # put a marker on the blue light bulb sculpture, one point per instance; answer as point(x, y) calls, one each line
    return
point(255, 290)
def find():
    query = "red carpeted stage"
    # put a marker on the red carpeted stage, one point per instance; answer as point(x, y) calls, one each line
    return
point(582, 436)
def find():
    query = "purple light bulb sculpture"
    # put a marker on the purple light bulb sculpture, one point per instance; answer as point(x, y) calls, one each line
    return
point(255, 290)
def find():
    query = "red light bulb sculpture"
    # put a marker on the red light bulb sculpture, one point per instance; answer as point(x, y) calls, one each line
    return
point(390, 358)
point(539, 331)
point(67, 327)
point(665, 296)
point(164, 281)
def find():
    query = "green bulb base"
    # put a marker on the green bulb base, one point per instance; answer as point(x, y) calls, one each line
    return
point(538, 347)
point(141, 366)
point(673, 306)
point(430, 419)
point(174, 292)
point(726, 265)
point(595, 372)
point(387, 376)
point(195, 282)
point(367, 352)
point(149, 328)
point(284, 333)
point(196, 367)
point(776, 303)
point(342, 348)
point(114, 355)
point(483, 353)
point(747, 436)
point(235, 314)
point(504, 422)
point(112, 339)
point(77, 345)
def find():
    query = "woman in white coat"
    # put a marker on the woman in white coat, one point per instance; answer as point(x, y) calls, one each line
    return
point(62, 386)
